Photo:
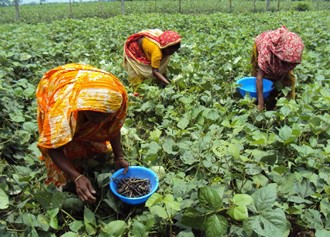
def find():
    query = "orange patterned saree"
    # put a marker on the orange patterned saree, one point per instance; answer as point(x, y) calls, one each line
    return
point(61, 94)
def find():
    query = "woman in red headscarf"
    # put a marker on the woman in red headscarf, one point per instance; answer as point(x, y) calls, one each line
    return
point(147, 54)
point(275, 54)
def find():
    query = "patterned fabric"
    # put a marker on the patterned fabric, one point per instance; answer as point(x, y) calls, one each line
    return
point(61, 94)
point(169, 38)
point(136, 62)
point(279, 51)
point(152, 52)
point(288, 80)
point(162, 39)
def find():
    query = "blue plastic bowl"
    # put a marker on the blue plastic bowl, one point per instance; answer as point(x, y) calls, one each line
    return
point(135, 172)
point(248, 85)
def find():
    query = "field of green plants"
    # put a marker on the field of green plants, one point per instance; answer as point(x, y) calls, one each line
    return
point(229, 170)
point(102, 9)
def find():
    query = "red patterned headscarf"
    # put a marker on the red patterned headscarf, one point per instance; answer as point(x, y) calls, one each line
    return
point(279, 51)
point(169, 38)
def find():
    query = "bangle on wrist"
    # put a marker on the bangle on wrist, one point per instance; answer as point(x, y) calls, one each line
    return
point(78, 177)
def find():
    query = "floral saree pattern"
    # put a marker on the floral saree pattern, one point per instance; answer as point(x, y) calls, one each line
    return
point(61, 94)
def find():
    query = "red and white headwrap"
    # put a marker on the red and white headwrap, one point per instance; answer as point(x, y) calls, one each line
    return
point(163, 39)
point(169, 38)
point(279, 51)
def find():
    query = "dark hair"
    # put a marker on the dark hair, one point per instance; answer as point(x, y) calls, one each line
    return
point(175, 47)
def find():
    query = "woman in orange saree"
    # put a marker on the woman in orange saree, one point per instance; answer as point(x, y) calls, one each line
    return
point(147, 54)
point(81, 110)
point(275, 54)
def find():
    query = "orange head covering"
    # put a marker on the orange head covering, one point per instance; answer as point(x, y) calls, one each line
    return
point(65, 90)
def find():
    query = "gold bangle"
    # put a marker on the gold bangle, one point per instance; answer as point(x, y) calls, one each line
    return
point(79, 176)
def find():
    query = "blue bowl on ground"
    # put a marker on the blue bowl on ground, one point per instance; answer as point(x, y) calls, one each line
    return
point(248, 85)
point(134, 172)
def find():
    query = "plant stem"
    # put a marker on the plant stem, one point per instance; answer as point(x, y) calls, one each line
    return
point(71, 217)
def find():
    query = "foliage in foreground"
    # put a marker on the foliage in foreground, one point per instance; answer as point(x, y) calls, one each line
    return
point(229, 170)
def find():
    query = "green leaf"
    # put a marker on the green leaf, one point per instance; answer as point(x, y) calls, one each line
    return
point(42, 221)
point(325, 206)
point(53, 222)
point(252, 169)
point(75, 226)
point(154, 199)
point(260, 180)
point(238, 210)
point(23, 136)
point(269, 223)
point(213, 115)
point(17, 117)
point(264, 198)
point(89, 221)
point(298, 199)
point(285, 111)
point(70, 234)
point(111, 202)
point(115, 228)
point(188, 157)
point(209, 198)
point(168, 146)
point(53, 212)
point(186, 233)
point(170, 203)
point(25, 56)
point(139, 230)
point(238, 213)
point(29, 92)
point(312, 219)
point(4, 199)
point(159, 170)
point(285, 134)
point(304, 188)
point(30, 127)
point(235, 148)
point(216, 226)
point(322, 233)
point(74, 203)
point(242, 199)
point(183, 123)
point(193, 218)
point(153, 148)
point(155, 135)
point(159, 211)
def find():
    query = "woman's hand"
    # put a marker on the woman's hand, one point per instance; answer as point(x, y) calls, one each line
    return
point(160, 77)
point(260, 96)
point(84, 189)
point(260, 106)
point(121, 162)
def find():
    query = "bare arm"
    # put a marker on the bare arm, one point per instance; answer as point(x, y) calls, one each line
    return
point(159, 76)
point(84, 188)
point(260, 76)
point(118, 152)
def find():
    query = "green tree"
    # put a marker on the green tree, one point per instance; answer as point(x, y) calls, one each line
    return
point(4, 3)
